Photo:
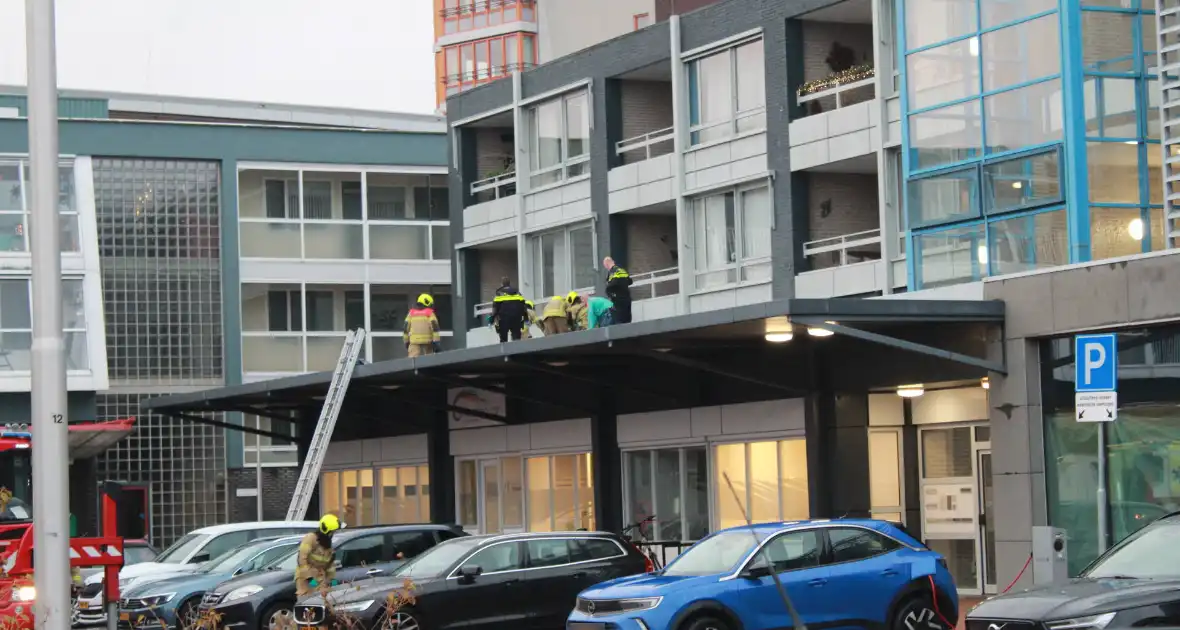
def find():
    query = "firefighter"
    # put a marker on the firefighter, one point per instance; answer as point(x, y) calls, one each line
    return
point(531, 319)
point(509, 311)
point(618, 290)
point(578, 314)
point(422, 331)
point(317, 562)
point(555, 319)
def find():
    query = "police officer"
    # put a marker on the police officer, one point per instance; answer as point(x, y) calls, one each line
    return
point(422, 331)
point(317, 562)
point(618, 290)
point(509, 311)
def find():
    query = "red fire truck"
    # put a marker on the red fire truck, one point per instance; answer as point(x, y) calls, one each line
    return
point(17, 593)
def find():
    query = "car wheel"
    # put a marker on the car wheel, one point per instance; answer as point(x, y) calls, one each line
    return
point(917, 613)
point(187, 615)
point(278, 616)
point(705, 623)
point(402, 620)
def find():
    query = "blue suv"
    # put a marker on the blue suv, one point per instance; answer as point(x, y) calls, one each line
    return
point(847, 573)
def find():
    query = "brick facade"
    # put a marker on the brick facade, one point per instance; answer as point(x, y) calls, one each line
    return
point(278, 485)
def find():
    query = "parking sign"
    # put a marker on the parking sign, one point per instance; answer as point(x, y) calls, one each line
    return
point(1096, 377)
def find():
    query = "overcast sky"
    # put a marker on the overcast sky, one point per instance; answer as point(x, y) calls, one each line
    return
point(375, 55)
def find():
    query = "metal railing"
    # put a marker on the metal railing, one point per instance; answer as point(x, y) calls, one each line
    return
point(663, 550)
point(646, 142)
point(502, 185)
point(485, 74)
point(842, 247)
point(654, 284)
point(841, 88)
point(480, 7)
point(485, 308)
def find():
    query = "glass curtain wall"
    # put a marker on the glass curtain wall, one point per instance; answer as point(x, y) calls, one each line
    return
point(1142, 447)
point(982, 94)
point(537, 494)
point(671, 484)
point(383, 495)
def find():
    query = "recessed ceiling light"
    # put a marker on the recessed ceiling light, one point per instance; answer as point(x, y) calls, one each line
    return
point(780, 337)
point(558, 363)
point(910, 391)
point(985, 383)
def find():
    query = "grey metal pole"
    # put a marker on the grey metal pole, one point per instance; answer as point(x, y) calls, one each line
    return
point(50, 431)
point(258, 472)
point(1100, 495)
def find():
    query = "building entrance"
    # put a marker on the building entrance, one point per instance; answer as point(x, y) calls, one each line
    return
point(956, 491)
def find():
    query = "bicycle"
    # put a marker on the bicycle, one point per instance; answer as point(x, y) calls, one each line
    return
point(643, 545)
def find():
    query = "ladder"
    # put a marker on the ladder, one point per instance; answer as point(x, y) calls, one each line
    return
point(333, 401)
point(1168, 44)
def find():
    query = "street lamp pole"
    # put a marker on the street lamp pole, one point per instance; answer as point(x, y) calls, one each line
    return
point(51, 555)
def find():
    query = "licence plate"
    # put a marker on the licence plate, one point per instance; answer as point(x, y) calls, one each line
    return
point(83, 605)
point(124, 616)
point(585, 625)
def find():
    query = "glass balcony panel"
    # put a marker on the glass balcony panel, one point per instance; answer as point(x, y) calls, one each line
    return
point(270, 240)
point(268, 194)
point(272, 354)
point(333, 241)
point(323, 352)
point(398, 242)
point(12, 231)
point(440, 242)
point(332, 195)
point(404, 197)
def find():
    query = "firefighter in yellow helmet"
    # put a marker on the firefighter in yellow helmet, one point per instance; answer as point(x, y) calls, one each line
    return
point(578, 313)
point(530, 310)
point(317, 562)
point(555, 318)
point(422, 331)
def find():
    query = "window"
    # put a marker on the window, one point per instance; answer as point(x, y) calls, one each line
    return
point(15, 206)
point(885, 475)
point(583, 549)
point(560, 493)
point(671, 484)
point(273, 451)
point(403, 491)
point(732, 237)
point(499, 557)
point(548, 553)
point(792, 550)
point(16, 325)
point(642, 20)
point(850, 544)
point(264, 559)
point(470, 64)
point(223, 544)
point(769, 479)
point(560, 133)
point(564, 260)
point(406, 545)
point(361, 551)
point(727, 93)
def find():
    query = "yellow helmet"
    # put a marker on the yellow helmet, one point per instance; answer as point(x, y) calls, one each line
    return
point(329, 523)
point(571, 297)
point(426, 300)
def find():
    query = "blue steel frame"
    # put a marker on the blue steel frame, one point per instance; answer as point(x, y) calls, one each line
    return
point(1073, 165)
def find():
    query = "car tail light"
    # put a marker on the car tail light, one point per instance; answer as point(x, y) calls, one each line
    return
point(648, 565)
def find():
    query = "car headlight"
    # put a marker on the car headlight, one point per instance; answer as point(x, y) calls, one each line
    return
point(354, 607)
point(1093, 622)
point(24, 594)
point(241, 592)
point(638, 603)
point(156, 600)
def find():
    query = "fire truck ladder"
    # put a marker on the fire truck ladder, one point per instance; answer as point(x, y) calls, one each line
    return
point(1168, 44)
point(327, 423)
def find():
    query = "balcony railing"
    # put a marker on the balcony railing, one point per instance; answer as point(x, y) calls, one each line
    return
point(481, 6)
point(846, 87)
point(654, 284)
point(648, 143)
point(495, 187)
point(482, 75)
point(846, 249)
point(485, 308)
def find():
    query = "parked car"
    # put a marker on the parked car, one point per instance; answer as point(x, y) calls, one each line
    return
point(88, 609)
point(202, 545)
point(847, 572)
point(506, 581)
point(1135, 584)
point(173, 602)
point(265, 600)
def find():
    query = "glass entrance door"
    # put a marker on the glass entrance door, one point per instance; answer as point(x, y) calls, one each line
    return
point(987, 523)
point(490, 497)
point(950, 504)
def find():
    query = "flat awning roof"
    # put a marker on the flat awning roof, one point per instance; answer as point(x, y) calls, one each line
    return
point(89, 439)
point(716, 357)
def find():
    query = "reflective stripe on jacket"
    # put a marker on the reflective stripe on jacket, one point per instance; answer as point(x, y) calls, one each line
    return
point(579, 316)
point(421, 326)
point(315, 562)
point(555, 307)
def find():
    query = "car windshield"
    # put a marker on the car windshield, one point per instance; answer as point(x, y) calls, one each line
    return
point(182, 549)
point(1152, 552)
point(16, 510)
point(435, 561)
point(135, 555)
point(718, 553)
point(233, 558)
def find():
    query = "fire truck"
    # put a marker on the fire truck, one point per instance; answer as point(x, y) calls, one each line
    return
point(17, 592)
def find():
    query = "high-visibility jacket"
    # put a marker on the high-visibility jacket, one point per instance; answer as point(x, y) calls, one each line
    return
point(315, 562)
point(421, 326)
point(508, 303)
point(555, 307)
point(618, 284)
point(579, 316)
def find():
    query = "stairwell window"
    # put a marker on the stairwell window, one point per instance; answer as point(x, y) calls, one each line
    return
point(727, 93)
point(732, 237)
point(560, 139)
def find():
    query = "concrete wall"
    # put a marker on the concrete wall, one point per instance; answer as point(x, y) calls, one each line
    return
point(1092, 296)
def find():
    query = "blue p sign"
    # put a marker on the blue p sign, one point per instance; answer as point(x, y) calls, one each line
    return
point(1095, 363)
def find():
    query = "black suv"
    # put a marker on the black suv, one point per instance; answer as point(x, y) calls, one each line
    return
point(264, 599)
point(1134, 584)
point(519, 581)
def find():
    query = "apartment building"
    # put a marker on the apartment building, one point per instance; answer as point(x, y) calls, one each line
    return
point(478, 41)
point(208, 243)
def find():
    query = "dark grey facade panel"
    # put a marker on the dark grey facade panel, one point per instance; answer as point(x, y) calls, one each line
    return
point(479, 100)
point(611, 58)
point(726, 19)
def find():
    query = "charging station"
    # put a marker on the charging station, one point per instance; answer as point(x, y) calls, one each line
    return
point(1050, 551)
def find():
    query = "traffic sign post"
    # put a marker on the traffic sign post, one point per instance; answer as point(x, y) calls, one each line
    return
point(1096, 399)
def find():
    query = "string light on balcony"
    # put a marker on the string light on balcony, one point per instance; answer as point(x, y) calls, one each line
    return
point(851, 75)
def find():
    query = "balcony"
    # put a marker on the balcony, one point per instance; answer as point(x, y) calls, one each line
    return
point(490, 205)
point(465, 15)
point(644, 176)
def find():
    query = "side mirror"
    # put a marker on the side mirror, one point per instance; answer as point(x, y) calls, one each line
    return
point(469, 572)
point(756, 570)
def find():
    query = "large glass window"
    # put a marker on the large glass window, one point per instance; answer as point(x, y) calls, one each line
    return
point(564, 260)
point(560, 493)
point(727, 92)
point(560, 134)
point(768, 480)
point(389, 495)
point(16, 205)
point(1023, 117)
point(672, 485)
point(732, 237)
point(16, 325)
